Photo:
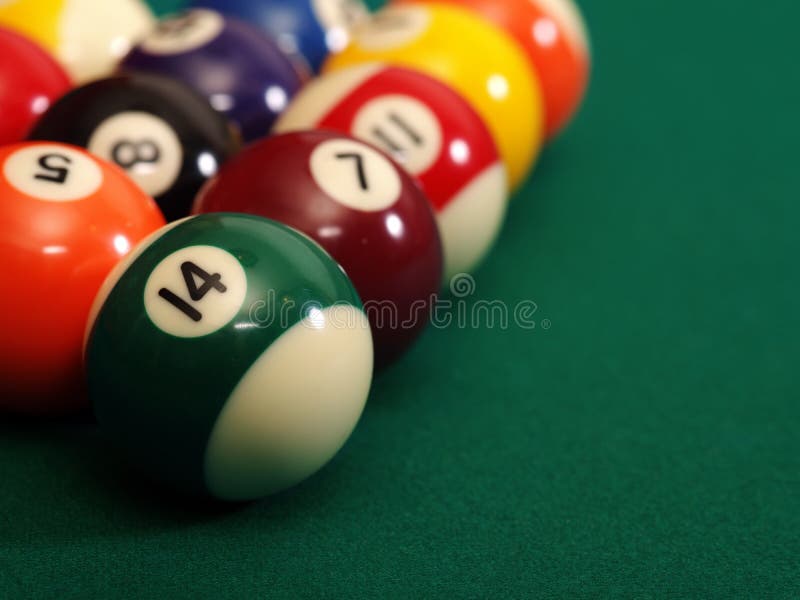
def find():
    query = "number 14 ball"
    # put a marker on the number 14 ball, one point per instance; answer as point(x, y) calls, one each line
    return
point(229, 356)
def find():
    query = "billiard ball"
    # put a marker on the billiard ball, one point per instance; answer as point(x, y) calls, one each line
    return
point(30, 80)
point(312, 28)
point(360, 206)
point(241, 72)
point(229, 356)
point(478, 60)
point(554, 36)
point(432, 132)
point(165, 136)
point(89, 37)
point(66, 219)
point(166, 7)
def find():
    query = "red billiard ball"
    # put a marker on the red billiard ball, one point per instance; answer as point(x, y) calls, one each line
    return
point(431, 131)
point(555, 38)
point(66, 219)
point(356, 203)
point(30, 80)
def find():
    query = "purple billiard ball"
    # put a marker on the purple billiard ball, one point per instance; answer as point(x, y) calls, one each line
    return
point(240, 70)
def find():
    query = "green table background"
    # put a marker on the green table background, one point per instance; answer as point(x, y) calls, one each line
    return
point(646, 445)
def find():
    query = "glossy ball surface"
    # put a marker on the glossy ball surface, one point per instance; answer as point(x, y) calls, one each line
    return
point(166, 137)
point(429, 130)
point(312, 28)
point(88, 37)
point(554, 36)
point(241, 72)
point(30, 81)
point(66, 219)
point(166, 7)
point(360, 206)
point(483, 64)
point(229, 356)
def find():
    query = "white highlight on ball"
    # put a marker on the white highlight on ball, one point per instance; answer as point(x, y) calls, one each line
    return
point(276, 98)
point(568, 15)
point(122, 245)
point(545, 32)
point(460, 152)
point(207, 164)
point(40, 104)
point(498, 87)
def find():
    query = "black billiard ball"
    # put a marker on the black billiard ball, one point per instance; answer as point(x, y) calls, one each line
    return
point(168, 138)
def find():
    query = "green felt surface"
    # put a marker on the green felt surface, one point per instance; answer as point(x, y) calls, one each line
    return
point(646, 445)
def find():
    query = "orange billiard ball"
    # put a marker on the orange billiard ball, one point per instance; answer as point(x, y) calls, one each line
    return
point(554, 36)
point(66, 219)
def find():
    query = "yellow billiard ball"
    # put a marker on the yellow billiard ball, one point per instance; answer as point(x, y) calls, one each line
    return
point(485, 65)
point(554, 35)
point(88, 37)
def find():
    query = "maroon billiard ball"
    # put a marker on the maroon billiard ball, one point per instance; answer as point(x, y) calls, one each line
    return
point(366, 211)
point(433, 133)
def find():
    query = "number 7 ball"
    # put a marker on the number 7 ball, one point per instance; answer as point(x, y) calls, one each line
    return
point(356, 203)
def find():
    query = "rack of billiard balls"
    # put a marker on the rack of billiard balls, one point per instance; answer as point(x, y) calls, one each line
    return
point(215, 227)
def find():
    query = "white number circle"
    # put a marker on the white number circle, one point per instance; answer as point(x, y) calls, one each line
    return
point(145, 146)
point(355, 175)
point(195, 291)
point(53, 172)
point(403, 127)
point(184, 33)
point(392, 28)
